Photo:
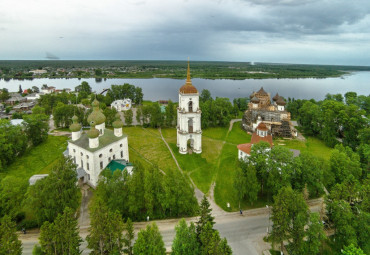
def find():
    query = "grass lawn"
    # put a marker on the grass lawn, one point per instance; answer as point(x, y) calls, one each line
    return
point(237, 135)
point(312, 145)
point(147, 143)
point(38, 160)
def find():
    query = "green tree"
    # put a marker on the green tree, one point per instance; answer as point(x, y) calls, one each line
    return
point(259, 158)
point(36, 127)
point(129, 237)
point(205, 216)
point(315, 235)
point(110, 115)
point(84, 87)
point(185, 241)
point(35, 89)
point(62, 236)
point(170, 114)
point(38, 110)
point(4, 95)
point(98, 72)
point(240, 185)
point(211, 242)
point(149, 241)
point(128, 116)
point(352, 250)
point(351, 97)
point(289, 217)
point(205, 96)
point(51, 195)
point(9, 242)
point(138, 96)
point(105, 232)
point(12, 193)
point(138, 115)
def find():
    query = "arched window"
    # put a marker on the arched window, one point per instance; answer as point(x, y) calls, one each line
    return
point(190, 125)
point(101, 155)
point(191, 106)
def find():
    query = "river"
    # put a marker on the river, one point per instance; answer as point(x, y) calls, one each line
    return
point(163, 88)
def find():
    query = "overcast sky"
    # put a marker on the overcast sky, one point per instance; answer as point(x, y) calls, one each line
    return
point(284, 31)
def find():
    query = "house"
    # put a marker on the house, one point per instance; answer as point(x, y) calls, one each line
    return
point(16, 99)
point(33, 96)
point(122, 105)
point(38, 72)
point(261, 134)
point(24, 106)
point(98, 148)
point(48, 90)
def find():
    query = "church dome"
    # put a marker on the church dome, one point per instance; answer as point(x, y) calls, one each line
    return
point(262, 127)
point(188, 87)
point(262, 91)
point(281, 101)
point(93, 132)
point(118, 122)
point(75, 127)
point(255, 100)
point(276, 97)
point(96, 116)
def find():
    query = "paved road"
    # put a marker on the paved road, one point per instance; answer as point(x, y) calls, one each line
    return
point(243, 233)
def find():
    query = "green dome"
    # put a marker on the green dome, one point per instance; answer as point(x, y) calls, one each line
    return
point(97, 115)
point(117, 124)
point(93, 132)
point(75, 127)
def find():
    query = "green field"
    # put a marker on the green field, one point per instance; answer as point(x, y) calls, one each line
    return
point(38, 160)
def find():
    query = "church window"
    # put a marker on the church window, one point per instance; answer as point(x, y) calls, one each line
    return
point(114, 156)
point(88, 166)
point(109, 159)
point(74, 150)
point(88, 177)
point(120, 145)
point(82, 154)
point(82, 163)
point(74, 160)
point(87, 156)
point(191, 106)
point(101, 132)
point(121, 154)
point(101, 155)
point(190, 125)
point(110, 150)
point(101, 164)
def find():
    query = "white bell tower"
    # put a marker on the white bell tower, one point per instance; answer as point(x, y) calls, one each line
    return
point(189, 130)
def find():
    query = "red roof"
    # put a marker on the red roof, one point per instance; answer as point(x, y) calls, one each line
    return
point(188, 88)
point(245, 147)
point(262, 127)
point(256, 139)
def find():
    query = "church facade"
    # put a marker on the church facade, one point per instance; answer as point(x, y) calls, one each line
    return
point(94, 150)
point(189, 131)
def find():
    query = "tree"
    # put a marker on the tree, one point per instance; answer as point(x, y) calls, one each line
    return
point(315, 235)
point(62, 236)
point(149, 241)
point(185, 241)
point(259, 158)
point(351, 97)
point(138, 96)
point(51, 195)
point(128, 116)
point(205, 216)
point(170, 114)
point(352, 250)
point(129, 237)
point(12, 193)
point(9, 242)
point(211, 242)
point(38, 110)
point(35, 89)
point(84, 87)
point(105, 232)
point(4, 95)
point(289, 216)
point(138, 115)
point(36, 127)
point(98, 72)
point(240, 184)
point(20, 90)
point(205, 96)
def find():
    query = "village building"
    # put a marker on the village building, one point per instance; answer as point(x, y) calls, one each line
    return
point(48, 90)
point(274, 115)
point(122, 105)
point(261, 134)
point(34, 96)
point(98, 148)
point(15, 99)
point(189, 131)
point(38, 71)
point(22, 107)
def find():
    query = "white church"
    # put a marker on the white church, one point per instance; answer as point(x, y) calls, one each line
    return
point(98, 148)
point(189, 131)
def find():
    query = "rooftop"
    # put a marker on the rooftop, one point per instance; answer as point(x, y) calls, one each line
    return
point(104, 140)
point(119, 164)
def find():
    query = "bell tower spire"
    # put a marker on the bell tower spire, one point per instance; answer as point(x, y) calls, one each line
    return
point(188, 81)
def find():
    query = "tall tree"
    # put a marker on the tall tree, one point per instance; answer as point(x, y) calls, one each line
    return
point(9, 242)
point(36, 127)
point(240, 185)
point(352, 250)
point(4, 95)
point(185, 241)
point(62, 236)
point(205, 216)
point(105, 232)
point(315, 235)
point(211, 242)
point(129, 237)
point(149, 241)
point(51, 195)
point(170, 114)
point(128, 116)
point(84, 87)
point(205, 96)
point(12, 193)
point(138, 96)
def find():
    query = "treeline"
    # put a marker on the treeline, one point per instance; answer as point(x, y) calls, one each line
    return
point(16, 139)
point(147, 192)
point(335, 118)
point(151, 115)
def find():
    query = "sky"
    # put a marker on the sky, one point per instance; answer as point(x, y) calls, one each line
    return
point(278, 31)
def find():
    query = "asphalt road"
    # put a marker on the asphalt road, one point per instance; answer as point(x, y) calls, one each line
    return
point(244, 233)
